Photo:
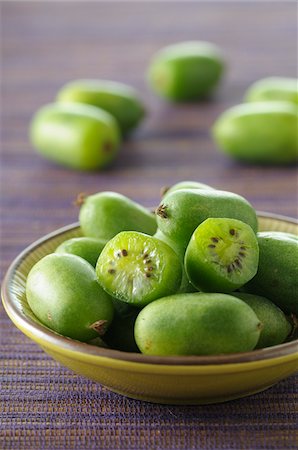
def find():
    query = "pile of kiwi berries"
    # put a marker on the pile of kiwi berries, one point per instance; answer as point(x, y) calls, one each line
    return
point(195, 277)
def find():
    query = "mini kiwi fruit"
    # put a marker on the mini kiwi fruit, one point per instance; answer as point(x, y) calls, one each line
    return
point(276, 327)
point(222, 255)
point(183, 185)
point(137, 268)
point(85, 247)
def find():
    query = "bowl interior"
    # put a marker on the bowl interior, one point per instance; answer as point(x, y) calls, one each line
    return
point(15, 303)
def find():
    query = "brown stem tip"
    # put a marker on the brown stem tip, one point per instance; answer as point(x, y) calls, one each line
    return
point(80, 199)
point(100, 326)
point(161, 211)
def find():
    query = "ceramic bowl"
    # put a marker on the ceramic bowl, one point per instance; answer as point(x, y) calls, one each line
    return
point(171, 380)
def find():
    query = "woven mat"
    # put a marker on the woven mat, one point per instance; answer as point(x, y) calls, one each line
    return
point(45, 406)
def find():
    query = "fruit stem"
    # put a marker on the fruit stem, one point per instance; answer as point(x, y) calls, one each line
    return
point(81, 197)
point(100, 326)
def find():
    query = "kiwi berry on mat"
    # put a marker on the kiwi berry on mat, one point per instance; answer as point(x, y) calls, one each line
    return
point(78, 136)
point(138, 268)
point(186, 71)
point(120, 100)
point(222, 255)
point(273, 88)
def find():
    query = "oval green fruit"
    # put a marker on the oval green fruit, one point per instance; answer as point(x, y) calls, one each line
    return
point(261, 132)
point(273, 88)
point(104, 214)
point(78, 136)
point(85, 247)
point(179, 214)
point(184, 185)
point(137, 268)
point(276, 327)
point(222, 255)
point(186, 71)
point(118, 99)
point(63, 293)
point(277, 276)
point(196, 324)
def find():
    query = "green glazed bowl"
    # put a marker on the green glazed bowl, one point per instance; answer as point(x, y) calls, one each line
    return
point(170, 380)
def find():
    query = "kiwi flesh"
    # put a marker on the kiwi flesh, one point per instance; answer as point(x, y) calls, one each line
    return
point(137, 268)
point(222, 255)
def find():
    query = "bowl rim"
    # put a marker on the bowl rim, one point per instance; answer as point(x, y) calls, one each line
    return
point(53, 339)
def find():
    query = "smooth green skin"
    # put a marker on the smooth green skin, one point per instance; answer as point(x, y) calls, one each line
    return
point(208, 275)
point(277, 276)
point(197, 324)
point(260, 132)
point(184, 185)
point(276, 328)
point(129, 282)
point(78, 136)
point(186, 71)
point(186, 285)
point(273, 88)
point(187, 208)
point(85, 247)
point(105, 214)
point(120, 100)
point(63, 293)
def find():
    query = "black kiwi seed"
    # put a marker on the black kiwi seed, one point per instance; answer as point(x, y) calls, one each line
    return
point(214, 239)
point(232, 232)
point(124, 252)
point(242, 254)
point(111, 271)
point(211, 246)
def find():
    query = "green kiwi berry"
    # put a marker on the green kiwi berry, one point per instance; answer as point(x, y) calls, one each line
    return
point(184, 185)
point(78, 136)
point(86, 247)
point(137, 268)
point(120, 100)
point(272, 89)
point(197, 324)
point(222, 255)
point(186, 71)
point(277, 275)
point(179, 214)
point(105, 214)
point(259, 132)
point(276, 327)
point(63, 292)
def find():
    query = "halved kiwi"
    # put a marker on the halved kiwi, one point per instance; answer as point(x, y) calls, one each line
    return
point(137, 268)
point(222, 255)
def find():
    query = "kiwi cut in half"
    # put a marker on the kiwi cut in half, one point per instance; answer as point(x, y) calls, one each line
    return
point(222, 255)
point(137, 268)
